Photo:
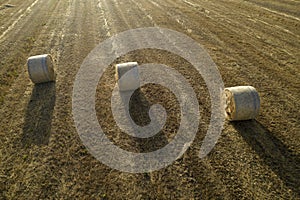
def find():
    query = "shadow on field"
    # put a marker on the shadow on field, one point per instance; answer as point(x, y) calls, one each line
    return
point(139, 107)
point(38, 119)
point(276, 154)
point(139, 110)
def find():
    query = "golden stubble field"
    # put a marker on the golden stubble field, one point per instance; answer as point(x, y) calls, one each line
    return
point(252, 42)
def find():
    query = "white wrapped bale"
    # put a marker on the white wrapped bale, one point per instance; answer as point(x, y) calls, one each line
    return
point(40, 68)
point(242, 103)
point(131, 81)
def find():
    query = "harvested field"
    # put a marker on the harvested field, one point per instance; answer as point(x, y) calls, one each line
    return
point(252, 42)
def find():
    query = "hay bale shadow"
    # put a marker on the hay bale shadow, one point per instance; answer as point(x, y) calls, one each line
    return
point(38, 119)
point(139, 107)
point(284, 162)
point(139, 110)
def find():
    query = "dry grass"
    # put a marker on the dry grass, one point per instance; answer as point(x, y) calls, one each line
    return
point(42, 156)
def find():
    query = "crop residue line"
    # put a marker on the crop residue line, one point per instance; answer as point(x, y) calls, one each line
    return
point(28, 10)
point(144, 11)
point(276, 12)
point(190, 3)
point(102, 13)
